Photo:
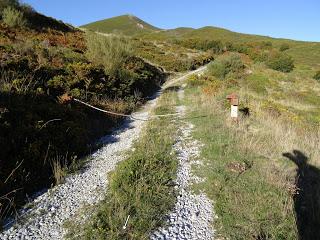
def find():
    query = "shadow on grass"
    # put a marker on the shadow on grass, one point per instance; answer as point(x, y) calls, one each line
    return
point(30, 143)
point(307, 197)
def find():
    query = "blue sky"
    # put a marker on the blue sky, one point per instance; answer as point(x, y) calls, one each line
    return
point(294, 19)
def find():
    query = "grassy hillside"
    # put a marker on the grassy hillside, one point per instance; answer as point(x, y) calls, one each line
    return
point(126, 24)
point(306, 53)
point(172, 57)
point(275, 141)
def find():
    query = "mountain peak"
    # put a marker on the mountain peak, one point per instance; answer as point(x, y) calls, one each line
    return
point(127, 24)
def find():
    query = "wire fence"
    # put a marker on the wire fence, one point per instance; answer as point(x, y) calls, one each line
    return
point(131, 116)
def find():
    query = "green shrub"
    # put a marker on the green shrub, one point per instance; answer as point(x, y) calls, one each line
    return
point(8, 3)
point(235, 63)
point(57, 85)
point(218, 69)
point(226, 65)
point(266, 44)
point(258, 55)
point(317, 75)
point(13, 17)
point(280, 62)
point(26, 48)
point(215, 46)
point(284, 47)
point(240, 48)
point(109, 51)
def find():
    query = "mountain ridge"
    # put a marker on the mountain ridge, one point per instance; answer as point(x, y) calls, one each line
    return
point(128, 25)
point(124, 23)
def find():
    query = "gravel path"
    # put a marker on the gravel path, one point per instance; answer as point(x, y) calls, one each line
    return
point(44, 220)
point(44, 217)
point(192, 216)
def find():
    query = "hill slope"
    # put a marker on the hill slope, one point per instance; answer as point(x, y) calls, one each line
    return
point(125, 24)
point(306, 53)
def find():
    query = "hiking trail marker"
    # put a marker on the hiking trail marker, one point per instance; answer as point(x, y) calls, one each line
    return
point(234, 101)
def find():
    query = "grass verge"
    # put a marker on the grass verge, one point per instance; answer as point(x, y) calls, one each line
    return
point(141, 186)
point(252, 195)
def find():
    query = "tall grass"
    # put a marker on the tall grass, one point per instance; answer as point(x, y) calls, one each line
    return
point(12, 81)
point(276, 136)
point(13, 17)
point(110, 51)
point(59, 168)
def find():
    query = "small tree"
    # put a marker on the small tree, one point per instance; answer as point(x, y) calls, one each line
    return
point(280, 62)
point(317, 76)
point(13, 17)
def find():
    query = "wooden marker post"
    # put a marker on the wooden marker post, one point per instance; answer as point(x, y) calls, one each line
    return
point(234, 101)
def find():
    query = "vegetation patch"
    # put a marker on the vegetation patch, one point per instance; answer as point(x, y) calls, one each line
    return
point(226, 65)
point(284, 47)
point(317, 76)
point(259, 160)
point(258, 83)
point(109, 51)
point(252, 198)
point(13, 17)
point(280, 62)
point(172, 57)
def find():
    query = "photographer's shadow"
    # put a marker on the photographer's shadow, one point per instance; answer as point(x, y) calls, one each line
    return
point(307, 197)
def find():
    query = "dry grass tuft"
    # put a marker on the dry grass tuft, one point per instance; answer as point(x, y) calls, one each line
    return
point(59, 169)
